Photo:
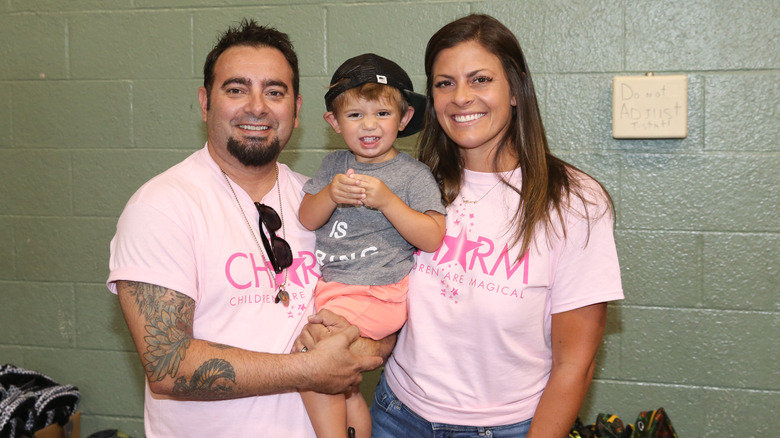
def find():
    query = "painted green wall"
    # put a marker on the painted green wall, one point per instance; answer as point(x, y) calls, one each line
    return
point(98, 96)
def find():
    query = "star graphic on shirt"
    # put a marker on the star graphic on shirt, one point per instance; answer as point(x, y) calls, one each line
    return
point(457, 248)
point(296, 311)
point(292, 272)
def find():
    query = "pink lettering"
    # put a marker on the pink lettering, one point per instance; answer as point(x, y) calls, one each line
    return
point(298, 296)
point(453, 277)
point(497, 288)
point(232, 268)
point(228, 274)
point(482, 255)
point(426, 269)
point(510, 270)
point(308, 265)
point(250, 299)
point(261, 268)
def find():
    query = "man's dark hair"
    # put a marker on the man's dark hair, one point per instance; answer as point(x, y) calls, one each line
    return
point(249, 33)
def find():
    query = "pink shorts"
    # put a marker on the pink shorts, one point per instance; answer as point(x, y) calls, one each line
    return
point(377, 311)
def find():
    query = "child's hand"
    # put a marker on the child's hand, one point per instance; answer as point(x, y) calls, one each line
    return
point(375, 193)
point(344, 189)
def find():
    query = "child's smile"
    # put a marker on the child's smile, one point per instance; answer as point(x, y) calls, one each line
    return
point(369, 128)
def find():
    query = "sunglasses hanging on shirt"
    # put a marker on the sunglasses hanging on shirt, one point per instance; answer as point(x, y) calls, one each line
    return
point(278, 250)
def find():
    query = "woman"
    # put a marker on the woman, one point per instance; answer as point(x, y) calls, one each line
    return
point(506, 317)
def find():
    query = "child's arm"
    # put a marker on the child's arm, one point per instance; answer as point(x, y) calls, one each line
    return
point(423, 230)
point(316, 209)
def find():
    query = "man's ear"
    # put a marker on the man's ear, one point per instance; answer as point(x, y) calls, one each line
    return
point(203, 97)
point(406, 118)
point(332, 121)
point(298, 103)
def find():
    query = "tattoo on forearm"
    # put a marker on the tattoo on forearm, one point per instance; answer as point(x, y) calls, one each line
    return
point(168, 329)
point(168, 325)
point(167, 343)
point(214, 376)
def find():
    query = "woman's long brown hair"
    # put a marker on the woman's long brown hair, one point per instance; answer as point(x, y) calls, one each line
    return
point(549, 183)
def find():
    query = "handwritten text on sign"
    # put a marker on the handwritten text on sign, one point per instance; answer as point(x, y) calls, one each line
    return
point(650, 106)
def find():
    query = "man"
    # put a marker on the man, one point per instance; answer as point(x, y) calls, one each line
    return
point(212, 311)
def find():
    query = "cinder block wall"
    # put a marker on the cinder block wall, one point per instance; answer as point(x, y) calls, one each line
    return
point(96, 97)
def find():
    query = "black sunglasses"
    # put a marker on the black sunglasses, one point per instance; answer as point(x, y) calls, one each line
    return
point(278, 250)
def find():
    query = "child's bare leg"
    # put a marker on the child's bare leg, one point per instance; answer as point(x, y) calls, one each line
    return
point(358, 415)
point(328, 413)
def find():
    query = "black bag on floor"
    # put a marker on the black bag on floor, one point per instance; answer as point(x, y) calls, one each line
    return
point(30, 401)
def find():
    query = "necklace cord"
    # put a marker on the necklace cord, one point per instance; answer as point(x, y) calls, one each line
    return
point(282, 295)
point(467, 201)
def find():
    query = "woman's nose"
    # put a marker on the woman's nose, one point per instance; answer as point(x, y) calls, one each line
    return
point(462, 95)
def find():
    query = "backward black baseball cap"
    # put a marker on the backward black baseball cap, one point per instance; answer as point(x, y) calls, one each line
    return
point(372, 68)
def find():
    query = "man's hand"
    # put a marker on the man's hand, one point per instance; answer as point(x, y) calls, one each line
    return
point(320, 326)
point(325, 323)
point(332, 365)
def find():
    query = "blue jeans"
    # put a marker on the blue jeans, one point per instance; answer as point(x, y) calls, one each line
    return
point(393, 419)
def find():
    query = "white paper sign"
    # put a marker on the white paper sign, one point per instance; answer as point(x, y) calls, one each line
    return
point(650, 106)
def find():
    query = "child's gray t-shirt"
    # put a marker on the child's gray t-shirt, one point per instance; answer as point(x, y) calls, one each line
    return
point(358, 245)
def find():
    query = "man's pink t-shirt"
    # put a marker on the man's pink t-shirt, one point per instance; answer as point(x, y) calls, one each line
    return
point(476, 346)
point(183, 231)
